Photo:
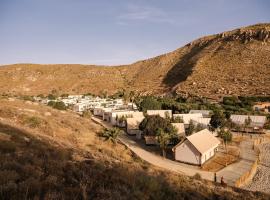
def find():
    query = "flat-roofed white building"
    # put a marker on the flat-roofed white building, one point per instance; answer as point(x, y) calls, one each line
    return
point(197, 148)
point(99, 111)
point(115, 117)
point(80, 107)
point(161, 113)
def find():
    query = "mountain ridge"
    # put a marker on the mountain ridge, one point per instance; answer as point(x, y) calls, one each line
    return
point(228, 63)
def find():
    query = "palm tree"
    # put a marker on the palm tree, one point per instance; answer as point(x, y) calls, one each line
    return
point(247, 123)
point(163, 139)
point(111, 134)
point(226, 135)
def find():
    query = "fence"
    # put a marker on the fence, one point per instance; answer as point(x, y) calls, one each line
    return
point(249, 174)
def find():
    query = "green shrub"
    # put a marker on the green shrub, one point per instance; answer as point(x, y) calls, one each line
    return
point(33, 122)
point(57, 105)
point(110, 134)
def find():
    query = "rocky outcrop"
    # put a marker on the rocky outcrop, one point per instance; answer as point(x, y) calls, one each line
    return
point(246, 36)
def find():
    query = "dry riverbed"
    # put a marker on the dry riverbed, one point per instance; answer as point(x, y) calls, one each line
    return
point(261, 180)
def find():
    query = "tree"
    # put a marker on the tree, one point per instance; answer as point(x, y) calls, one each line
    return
point(86, 114)
point(199, 127)
point(177, 120)
point(163, 139)
point(217, 120)
point(111, 134)
point(190, 129)
point(151, 124)
point(226, 135)
point(247, 123)
point(57, 105)
point(150, 103)
point(51, 97)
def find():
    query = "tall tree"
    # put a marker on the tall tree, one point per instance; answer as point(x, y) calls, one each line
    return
point(217, 120)
point(226, 135)
point(247, 124)
point(163, 139)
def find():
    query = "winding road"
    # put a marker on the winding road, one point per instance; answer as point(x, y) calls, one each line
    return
point(230, 173)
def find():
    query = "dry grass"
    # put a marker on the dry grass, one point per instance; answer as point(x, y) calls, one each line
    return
point(222, 159)
point(73, 163)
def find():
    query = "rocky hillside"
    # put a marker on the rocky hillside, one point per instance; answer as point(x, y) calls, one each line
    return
point(50, 154)
point(230, 63)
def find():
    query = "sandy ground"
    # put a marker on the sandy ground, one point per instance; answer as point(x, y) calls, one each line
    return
point(261, 180)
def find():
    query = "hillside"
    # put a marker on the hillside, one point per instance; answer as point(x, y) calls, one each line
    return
point(50, 154)
point(230, 63)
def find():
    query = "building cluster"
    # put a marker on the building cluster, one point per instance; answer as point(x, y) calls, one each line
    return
point(194, 149)
point(81, 103)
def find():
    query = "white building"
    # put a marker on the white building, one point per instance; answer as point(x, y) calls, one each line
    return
point(161, 113)
point(115, 116)
point(203, 122)
point(196, 149)
point(256, 122)
point(188, 117)
point(205, 113)
point(133, 125)
point(99, 111)
point(180, 129)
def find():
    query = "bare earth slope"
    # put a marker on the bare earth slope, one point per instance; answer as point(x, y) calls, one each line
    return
point(49, 154)
point(230, 63)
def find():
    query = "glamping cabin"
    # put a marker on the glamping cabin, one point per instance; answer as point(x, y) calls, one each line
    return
point(118, 117)
point(161, 113)
point(188, 117)
point(256, 122)
point(180, 129)
point(203, 122)
point(197, 148)
point(205, 113)
point(133, 126)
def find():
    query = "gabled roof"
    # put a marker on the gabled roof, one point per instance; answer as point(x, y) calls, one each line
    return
point(180, 128)
point(203, 141)
point(133, 123)
point(187, 117)
point(204, 121)
point(204, 112)
point(161, 113)
point(255, 120)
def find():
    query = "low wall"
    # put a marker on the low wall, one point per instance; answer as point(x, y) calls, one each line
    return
point(249, 174)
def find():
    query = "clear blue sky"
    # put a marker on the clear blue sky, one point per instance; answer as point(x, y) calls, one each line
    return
point(114, 31)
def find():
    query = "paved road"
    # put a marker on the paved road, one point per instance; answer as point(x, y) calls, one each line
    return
point(234, 171)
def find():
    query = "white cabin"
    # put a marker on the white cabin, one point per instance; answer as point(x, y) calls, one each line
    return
point(197, 148)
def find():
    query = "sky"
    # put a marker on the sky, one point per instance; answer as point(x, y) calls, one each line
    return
point(112, 32)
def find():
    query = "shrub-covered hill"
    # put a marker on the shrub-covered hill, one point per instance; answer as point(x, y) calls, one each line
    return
point(49, 154)
point(230, 63)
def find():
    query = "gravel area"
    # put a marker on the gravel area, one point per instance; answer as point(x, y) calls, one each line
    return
point(261, 180)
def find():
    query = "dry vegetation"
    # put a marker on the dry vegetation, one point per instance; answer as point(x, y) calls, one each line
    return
point(222, 159)
point(231, 63)
point(50, 154)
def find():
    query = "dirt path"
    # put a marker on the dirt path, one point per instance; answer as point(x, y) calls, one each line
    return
point(261, 180)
